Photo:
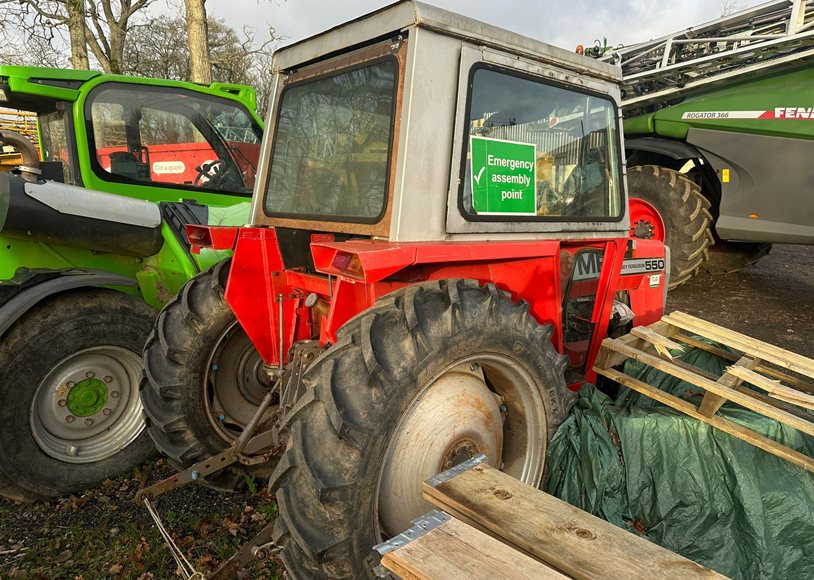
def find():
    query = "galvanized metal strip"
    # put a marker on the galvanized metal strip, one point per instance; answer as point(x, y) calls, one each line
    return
point(445, 476)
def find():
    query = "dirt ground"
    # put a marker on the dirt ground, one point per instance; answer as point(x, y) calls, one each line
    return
point(102, 534)
point(772, 300)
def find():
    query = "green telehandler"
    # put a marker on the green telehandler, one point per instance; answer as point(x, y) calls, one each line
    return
point(93, 244)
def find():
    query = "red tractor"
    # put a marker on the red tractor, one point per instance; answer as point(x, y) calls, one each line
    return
point(438, 246)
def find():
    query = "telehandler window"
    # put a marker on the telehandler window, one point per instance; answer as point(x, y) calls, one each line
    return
point(537, 151)
point(332, 146)
point(172, 137)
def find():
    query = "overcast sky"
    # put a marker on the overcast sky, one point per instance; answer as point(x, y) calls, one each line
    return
point(564, 23)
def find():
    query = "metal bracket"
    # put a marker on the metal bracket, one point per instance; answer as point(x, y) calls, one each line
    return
point(445, 476)
point(421, 525)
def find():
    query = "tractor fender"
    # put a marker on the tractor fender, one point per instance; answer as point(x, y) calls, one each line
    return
point(25, 299)
point(668, 147)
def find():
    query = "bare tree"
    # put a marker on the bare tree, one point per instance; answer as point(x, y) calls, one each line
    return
point(197, 38)
point(730, 7)
point(101, 25)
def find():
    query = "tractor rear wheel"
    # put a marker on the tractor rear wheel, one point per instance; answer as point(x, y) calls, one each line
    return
point(204, 378)
point(69, 405)
point(430, 376)
point(675, 212)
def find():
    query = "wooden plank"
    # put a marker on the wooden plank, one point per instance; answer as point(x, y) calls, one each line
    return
point(564, 537)
point(706, 384)
point(456, 551)
point(739, 431)
point(774, 388)
point(712, 402)
point(795, 382)
point(746, 344)
point(661, 343)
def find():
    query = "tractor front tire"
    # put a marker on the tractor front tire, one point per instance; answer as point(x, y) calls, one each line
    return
point(203, 379)
point(69, 405)
point(684, 211)
point(430, 376)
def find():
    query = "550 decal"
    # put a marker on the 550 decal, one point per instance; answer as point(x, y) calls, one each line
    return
point(589, 264)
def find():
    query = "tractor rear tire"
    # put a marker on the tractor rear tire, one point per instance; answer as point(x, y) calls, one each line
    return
point(69, 406)
point(684, 211)
point(196, 352)
point(400, 397)
point(728, 257)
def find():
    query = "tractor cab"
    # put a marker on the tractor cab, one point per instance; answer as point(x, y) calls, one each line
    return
point(438, 246)
point(432, 133)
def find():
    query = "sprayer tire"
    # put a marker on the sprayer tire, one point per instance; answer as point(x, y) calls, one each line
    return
point(685, 212)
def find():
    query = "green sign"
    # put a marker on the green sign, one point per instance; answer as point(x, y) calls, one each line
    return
point(503, 177)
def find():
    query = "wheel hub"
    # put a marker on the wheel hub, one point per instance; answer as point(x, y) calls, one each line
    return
point(87, 407)
point(235, 383)
point(87, 397)
point(643, 230)
point(457, 417)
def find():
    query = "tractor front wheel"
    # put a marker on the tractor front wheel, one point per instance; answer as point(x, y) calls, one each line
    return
point(69, 403)
point(205, 379)
point(431, 376)
point(668, 206)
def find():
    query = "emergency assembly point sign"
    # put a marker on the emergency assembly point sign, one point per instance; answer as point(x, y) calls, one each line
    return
point(503, 177)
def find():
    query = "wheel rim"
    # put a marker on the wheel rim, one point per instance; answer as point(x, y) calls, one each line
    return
point(455, 417)
point(87, 407)
point(646, 222)
point(234, 384)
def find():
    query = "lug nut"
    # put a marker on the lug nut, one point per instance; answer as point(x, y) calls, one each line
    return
point(70, 384)
point(88, 422)
point(473, 367)
point(62, 402)
point(114, 394)
point(69, 418)
point(106, 411)
point(107, 379)
point(89, 375)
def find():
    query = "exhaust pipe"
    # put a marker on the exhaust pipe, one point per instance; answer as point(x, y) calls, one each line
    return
point(30, 169)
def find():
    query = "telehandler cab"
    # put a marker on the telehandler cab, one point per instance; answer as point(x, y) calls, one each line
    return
point(438, 245)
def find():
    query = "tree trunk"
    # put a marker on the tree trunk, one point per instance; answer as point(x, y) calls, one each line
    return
point(76, 31)
point(200, 67)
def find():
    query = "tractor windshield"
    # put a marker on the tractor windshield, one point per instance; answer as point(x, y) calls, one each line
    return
point(539, 151)
point(172, 137)
point(332, 147)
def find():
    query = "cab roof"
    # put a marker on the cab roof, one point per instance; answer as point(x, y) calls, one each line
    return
point(406, 14)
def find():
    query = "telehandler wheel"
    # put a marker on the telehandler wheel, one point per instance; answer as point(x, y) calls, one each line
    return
point(204, 378)
point(675, 213)
point(728, 257)
point(69, 406)
point(432, 375)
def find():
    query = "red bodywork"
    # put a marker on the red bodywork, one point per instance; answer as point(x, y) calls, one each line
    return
point(176, 162)
point(351, 275)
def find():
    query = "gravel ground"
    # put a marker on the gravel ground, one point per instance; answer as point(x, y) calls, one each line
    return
point(103, 534)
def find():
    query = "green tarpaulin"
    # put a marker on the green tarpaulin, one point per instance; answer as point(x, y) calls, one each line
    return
point(685, 485)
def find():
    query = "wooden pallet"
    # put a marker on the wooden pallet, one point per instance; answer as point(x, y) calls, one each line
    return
point(494, 526)
point(759, 379)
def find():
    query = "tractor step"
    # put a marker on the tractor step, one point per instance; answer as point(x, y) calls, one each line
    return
point(493, 526)
point(777, 379)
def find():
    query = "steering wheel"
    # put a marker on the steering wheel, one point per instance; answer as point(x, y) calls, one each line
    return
point(212, 174)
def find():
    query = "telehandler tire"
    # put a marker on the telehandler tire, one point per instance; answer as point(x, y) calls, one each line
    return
point(69, 405)
point(430, 376)
point(204, 378)
point(684, 212)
